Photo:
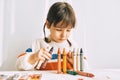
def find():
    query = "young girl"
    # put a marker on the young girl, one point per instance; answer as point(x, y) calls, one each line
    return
point(60, 21)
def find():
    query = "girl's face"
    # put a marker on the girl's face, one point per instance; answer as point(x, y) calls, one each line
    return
point(60, 33)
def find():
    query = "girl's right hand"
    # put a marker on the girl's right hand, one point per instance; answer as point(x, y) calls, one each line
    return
point(43, 54)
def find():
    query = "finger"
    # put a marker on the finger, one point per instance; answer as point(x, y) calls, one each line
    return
point(46, 49)
point(40, 52)
point(47, 54)
point(43, 51)
point(72, 55)
point(42, 58)
point(70, 60)
point(46, 57)
point(69, 54)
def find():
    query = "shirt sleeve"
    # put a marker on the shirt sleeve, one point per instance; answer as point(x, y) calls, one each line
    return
point(23, 64)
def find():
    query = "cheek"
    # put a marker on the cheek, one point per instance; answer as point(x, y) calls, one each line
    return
point(55, 34)
point(68, 34)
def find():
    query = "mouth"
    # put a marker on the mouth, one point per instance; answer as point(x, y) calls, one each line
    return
point(62, 39)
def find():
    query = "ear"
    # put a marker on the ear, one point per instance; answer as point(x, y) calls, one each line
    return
point(47, 24)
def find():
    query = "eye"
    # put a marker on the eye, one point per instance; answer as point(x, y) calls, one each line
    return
point(68, 30)
point(58, 29)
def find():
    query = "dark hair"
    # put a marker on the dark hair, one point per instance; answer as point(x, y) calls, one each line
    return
point(60, 11)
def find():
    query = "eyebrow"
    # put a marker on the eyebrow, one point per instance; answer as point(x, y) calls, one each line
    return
point(62, 28)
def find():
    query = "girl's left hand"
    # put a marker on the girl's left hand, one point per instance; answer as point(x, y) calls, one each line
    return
point(70, 57)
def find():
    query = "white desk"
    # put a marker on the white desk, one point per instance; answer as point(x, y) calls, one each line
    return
point(101, 74)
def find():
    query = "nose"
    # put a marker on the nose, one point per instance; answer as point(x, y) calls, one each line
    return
point(63, 34)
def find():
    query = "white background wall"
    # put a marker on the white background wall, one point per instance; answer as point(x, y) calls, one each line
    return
point(97, 29)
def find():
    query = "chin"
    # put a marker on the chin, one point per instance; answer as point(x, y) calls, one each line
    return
point(60, 41)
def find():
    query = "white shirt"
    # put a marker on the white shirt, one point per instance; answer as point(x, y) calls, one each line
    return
point(22, 62)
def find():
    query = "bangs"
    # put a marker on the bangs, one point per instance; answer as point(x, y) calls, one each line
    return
point(63, 24)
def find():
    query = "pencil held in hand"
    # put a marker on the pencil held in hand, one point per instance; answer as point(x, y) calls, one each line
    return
point(45, 62)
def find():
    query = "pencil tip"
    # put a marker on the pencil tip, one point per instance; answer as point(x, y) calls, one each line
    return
point(51, 49)
point(81, 51)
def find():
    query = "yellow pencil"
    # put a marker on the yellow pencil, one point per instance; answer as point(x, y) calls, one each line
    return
point(64, 61)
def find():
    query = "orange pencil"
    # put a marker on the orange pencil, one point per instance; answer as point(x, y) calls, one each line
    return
point(85, 74)
point(59, 61)
point(64, 61)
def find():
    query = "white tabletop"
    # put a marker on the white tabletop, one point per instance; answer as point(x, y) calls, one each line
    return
point(100, 74)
